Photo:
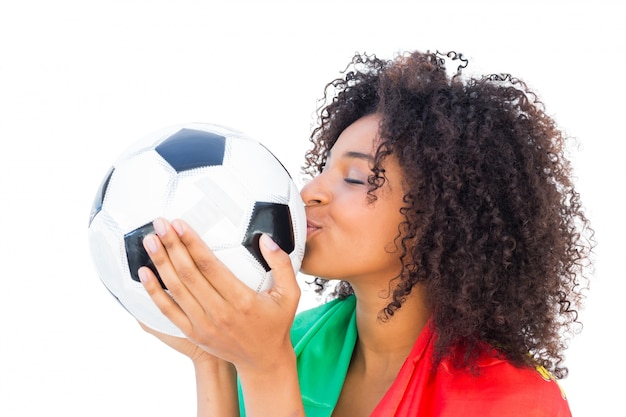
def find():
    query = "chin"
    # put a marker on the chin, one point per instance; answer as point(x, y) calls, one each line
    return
point(304, 268)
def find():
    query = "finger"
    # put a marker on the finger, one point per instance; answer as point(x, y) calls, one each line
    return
point(188, 282)
point(285, 285)
point(163, 301)
point(184, 282)
point(152, 331)
point(147, 328)
point(224, 282)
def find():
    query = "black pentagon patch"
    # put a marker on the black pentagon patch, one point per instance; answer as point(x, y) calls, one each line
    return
point(273, 219)
point(189, 148)
point(136, 254)
point(99, 199)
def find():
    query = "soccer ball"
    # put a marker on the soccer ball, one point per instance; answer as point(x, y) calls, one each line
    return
point(227, 186)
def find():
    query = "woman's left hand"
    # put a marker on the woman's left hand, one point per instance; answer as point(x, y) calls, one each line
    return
point(212, 307)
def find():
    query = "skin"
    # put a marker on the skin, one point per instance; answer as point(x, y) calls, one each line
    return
point(228, 322)
point(342, 221)
point(230, 328)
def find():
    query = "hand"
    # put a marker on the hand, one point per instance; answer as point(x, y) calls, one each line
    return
point(213, 308)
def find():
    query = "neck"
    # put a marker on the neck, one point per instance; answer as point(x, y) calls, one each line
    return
point(383, 345)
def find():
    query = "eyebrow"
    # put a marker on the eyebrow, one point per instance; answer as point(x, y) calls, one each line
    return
point(355, 155)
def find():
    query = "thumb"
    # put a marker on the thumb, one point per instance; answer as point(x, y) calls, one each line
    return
point(285, 283)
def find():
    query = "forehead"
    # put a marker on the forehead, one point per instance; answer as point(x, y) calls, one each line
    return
point(361, 136)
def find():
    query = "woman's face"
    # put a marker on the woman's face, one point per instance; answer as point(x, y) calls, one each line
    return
point(348, 237)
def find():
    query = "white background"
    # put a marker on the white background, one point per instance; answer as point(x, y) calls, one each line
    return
point(79, 81)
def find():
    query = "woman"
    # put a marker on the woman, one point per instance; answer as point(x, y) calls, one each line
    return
point(444, 209)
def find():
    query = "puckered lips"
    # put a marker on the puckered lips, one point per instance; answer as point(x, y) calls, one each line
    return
point(312, 227)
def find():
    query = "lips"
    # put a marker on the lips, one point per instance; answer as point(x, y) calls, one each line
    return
point(311, 227)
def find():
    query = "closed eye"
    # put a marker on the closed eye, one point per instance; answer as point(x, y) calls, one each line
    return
point(354, 181)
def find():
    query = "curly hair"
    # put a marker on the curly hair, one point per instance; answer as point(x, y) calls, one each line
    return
point(494, 229)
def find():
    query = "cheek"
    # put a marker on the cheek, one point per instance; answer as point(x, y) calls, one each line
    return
point(390, 232)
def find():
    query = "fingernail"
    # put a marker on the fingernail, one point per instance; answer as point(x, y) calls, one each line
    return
point(178, 226)
point(143, 275)
point(159, 227)
point(149, 242)
point(268, 242)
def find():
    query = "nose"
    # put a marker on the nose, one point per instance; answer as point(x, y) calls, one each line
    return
point(314, 192)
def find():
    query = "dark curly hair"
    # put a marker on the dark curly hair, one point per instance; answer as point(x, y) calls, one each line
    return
point(494, 229)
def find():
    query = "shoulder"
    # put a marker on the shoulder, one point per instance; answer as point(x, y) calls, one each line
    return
point(500, 388)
